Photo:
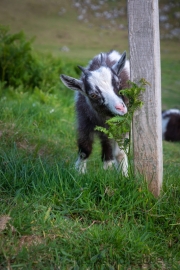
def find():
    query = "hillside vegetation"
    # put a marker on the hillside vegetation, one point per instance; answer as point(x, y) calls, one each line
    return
point(85, 27)
point(50, 216)
point(58, 31)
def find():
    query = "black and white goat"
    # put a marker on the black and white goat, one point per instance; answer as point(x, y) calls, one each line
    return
point(171, 125)
point(97, 99)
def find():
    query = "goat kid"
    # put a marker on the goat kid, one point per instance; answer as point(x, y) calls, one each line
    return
point(171, 125)
point(97, 99)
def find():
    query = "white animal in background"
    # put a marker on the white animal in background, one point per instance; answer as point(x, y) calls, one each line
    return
point(171, 125)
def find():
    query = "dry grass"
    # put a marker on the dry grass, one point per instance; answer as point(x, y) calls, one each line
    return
point(52, 31)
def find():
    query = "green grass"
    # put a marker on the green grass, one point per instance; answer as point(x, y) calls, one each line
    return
point(170, 83)
point(100, 221)
point(60, 219)
point(63, 220)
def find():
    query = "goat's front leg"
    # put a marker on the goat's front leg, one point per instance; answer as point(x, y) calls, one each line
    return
point(107, 152)
point(85, 141)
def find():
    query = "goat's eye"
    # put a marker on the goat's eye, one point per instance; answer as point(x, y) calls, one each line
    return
point(93, 96)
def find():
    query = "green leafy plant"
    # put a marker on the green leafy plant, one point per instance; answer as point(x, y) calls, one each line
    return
point(17, 63)
point(20, 66)
point(119, 126)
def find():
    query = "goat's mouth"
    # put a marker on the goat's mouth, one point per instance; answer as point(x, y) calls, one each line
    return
point(112, 111)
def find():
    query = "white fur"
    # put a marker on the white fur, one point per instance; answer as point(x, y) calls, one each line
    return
point(115, 56)
point(108, 164)
point(120, 157)
point(127, 66)
point(120, 160)
point(171, 111)
point(164, 125)
point(80, 165)
point(102, 78)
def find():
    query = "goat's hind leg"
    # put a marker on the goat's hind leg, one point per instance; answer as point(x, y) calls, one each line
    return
point(121, 158)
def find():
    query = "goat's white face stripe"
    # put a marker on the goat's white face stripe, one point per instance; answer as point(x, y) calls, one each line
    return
point(103, 79)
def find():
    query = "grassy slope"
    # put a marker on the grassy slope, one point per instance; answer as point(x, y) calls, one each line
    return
point(52, 32)
point(63, 220)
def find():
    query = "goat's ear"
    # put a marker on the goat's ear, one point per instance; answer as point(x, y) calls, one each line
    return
point(118, 67)
point(72, 83)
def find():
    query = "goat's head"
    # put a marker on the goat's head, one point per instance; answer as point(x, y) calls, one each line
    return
point(101, 87)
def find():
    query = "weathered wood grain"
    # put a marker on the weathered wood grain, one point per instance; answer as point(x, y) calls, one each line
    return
point(144, 45)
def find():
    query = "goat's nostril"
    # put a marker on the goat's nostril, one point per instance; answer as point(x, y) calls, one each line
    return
point(120, 107)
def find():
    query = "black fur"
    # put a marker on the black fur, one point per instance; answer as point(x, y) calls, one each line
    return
point(90, 103)
point(173, 126)
point(88, 119)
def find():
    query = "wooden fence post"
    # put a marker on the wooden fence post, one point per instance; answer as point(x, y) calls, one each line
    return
point(144, 45)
